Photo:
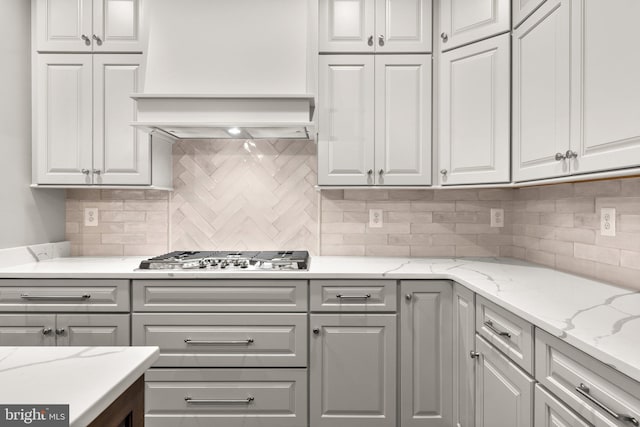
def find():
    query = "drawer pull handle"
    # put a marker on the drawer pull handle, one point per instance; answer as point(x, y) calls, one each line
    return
point(340, 296)
point(228, 342)
point(489, 324)
point(55, 297)
point(584, 391)
point(218, 401)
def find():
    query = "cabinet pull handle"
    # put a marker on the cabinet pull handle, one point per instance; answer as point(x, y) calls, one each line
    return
point(570, 154)
point(444, 37)
point(55, 297)
point(192, 401)
point(340, 296)
point(370, 41)
point(98, 40)
point(86, 171)
point(60, 331)
point(489, 324)
point(97, 171)
point(227, 342)
point(381, 39)
point(46, 331)
point(584, 391)
point(560, 156)
point(474, 354)
point(86, 39)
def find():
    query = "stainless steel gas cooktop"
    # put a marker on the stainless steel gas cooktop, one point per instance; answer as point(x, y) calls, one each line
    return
point(228, 260)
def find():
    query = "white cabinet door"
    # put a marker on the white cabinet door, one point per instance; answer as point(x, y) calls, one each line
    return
point(27, 329)
point(116, 26)
point(63, 119)
point(345, 141)
point(121, 153)
point(63, 25)
point(425, 354)
point(403, 119)
point(403, 26)
point(521, 9)
point(541, 84)
point(466, 21)
point(346, 26)
point(605, 87)
point(353, 370)
point(92, 329)
point(475, 113)
point(551, 412)
point(464, 365)
point(504, 393)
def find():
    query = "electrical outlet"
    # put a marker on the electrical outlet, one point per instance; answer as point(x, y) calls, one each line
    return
point(375, 218)
point(497, 218)
point(90, 217)
point(608, 221)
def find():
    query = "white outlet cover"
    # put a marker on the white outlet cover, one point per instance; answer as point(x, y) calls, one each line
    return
point(375, 218)
point(608, 222)
point(90, 217)
point(497, 218)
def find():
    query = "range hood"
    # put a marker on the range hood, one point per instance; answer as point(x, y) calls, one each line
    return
point(206, 116)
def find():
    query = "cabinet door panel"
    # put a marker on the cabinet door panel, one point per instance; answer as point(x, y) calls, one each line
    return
point(120, 151)
point(475, 113)
point(117, 24)
point(27, 330)
point(541, 84)
point(464, 367)
point(61, 25)
point(504, 393)
point(522, 9)
point(425, 363)
point(63, 118)
point(346, 25)
point(93, 329)
point(345, 142)
point(605, 91)
point(403, 26)
point(467, 21)
point(353, 370)
point(403, 120)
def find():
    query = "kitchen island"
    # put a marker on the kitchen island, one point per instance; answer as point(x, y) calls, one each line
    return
point(88, 379)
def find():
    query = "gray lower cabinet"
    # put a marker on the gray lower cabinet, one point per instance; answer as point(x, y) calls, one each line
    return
point(464, 355)
point(27, 329)
point(504, 392)
point(551, 412)
point(425, 353)
point(352, 370)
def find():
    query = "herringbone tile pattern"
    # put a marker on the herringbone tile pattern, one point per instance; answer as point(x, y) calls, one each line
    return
point(244, 195)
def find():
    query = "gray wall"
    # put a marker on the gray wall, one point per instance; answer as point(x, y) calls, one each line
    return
point(27, 216)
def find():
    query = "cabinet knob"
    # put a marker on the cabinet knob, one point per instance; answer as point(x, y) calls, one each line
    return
point(370, 41)
point(97, 39)
point(381, 172)
point(370, 172)
point(408, 297)
point(96, 171)
point(570, 154)
point(316, 331)
point(86, 39)
point(46, 331)
point(560, 156)
point(85, 171)
point(444, 37)
point(444, 171)
point(474, 354)
point(60, 331)
point(381, 40)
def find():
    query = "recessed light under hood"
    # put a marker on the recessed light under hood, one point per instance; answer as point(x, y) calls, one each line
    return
point(196, 116)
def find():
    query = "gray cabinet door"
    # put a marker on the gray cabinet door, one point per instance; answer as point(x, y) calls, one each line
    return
point(353, 370)
point(27, 329)
point(464, 366)
point(425, 353)
point(504, 393)
point(551, 412)
point(92, 329)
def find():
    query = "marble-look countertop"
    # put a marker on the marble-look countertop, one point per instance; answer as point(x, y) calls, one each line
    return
point(600, 319)
point(88, 379)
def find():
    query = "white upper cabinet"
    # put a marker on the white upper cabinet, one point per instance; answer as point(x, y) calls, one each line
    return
point(605, 85)
point(375, 26)
point(521, 9)
point(346, 117)
point(466, 21)
point(403, 119)
point(88, 25)
point(474, 113)
point(541, 99)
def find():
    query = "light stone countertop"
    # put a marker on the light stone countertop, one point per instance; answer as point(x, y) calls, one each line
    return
point(601, 320)
point(88, 379)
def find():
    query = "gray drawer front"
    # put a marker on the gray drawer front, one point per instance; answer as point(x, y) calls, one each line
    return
point(224, 339)
point(220, 295)
point(32, 295)
point(551, 412)
point(353, 295)
point(506, 331)
point(262, 398)
point(561, 368)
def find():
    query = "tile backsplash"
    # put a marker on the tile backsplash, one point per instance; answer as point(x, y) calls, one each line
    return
point(233, 194)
